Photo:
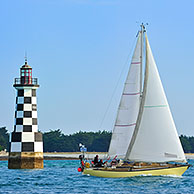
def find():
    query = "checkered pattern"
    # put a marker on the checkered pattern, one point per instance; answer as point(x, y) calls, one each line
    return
point(26, 142)
point(25, 137)
point(26, 111)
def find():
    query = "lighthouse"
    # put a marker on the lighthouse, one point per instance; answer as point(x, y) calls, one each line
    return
point(26, 144)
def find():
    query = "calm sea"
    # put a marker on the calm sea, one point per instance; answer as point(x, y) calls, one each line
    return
point(59, 176)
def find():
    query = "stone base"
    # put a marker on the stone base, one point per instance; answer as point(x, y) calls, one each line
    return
point(25, 160)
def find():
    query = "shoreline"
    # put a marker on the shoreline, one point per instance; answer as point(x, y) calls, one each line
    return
point(75, 155)
point(62, 155)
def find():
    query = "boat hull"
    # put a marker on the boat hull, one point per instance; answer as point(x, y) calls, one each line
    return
point(176, 171)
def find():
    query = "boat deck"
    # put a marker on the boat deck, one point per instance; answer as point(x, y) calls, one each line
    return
point(131, 167)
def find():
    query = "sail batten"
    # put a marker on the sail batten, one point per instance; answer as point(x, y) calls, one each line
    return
point(128, 107)
point(132, 93)
point(125, 125)
point(155, 106)
point(155, 138)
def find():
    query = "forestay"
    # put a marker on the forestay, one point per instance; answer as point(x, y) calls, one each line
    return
point(155, 138)
point(128, 108)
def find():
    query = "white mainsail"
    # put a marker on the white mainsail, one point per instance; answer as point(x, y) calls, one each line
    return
point(129, 106)
point(155, 137)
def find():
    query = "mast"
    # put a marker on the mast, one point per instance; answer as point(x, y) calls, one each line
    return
point(141, 57)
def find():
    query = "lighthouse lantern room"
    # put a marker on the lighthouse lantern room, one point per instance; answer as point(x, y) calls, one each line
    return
point(26, 74)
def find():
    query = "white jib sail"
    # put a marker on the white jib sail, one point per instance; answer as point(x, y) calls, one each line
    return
point(156, 138)
point(128, 108)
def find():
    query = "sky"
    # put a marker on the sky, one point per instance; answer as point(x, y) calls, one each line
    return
point(80, 52)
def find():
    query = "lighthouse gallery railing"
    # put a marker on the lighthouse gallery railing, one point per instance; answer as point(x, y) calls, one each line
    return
point(27, 81)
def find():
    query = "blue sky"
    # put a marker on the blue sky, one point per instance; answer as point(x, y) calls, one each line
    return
point(78, 49)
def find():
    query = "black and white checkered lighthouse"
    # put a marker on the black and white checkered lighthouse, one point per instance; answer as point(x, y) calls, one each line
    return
point(26, 145)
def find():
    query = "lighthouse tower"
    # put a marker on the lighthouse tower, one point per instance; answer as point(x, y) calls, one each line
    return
point(26, 145)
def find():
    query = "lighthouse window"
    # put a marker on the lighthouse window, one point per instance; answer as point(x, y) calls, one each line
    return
point(22, 70)
point(26, 74)
point(30, 70)
point(26, 70)
point(22, 74)
point(30, 74)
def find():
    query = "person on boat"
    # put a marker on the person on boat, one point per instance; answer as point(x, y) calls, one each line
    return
point(81, 157)
point(100, 163)
point(95, 160)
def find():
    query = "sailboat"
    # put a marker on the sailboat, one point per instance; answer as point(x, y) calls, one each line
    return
point(144, 135)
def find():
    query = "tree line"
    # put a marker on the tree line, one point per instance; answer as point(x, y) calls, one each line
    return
point(56, 141)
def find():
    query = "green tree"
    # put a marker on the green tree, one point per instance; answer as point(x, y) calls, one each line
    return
point(101, 142)
point(186, 143)
point(4, 138)
point(52, 141)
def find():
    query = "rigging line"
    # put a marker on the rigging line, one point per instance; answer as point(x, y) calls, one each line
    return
point(126, 62)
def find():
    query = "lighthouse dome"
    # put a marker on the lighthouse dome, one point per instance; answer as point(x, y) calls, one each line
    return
point(26, 65)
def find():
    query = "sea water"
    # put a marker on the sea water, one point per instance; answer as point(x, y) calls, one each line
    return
point(61, 176)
